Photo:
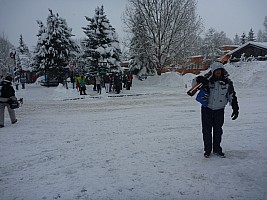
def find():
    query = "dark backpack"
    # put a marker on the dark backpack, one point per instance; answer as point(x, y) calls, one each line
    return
point(7, 90)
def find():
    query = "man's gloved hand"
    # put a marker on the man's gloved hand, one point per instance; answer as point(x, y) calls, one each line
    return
point(202, 79)
point(234, 114)
point(235, 107)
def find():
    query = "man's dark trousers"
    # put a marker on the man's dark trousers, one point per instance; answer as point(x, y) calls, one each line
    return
point(212, 121)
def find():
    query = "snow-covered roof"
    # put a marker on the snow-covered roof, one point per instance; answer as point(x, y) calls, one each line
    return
point(259, 44)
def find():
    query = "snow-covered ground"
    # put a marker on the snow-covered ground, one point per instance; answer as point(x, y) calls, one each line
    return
point(143, 144)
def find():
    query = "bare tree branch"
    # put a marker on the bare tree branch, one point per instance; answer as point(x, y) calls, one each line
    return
point(167, 28)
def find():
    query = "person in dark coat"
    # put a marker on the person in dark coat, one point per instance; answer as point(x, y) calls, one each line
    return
point(219, 91)
point(117, 83)
point(7, 93)
point(107, 83)
point(125, 80)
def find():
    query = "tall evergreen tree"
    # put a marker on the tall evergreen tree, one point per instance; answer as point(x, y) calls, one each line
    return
point(55, 47)
point(40, 51)
point(23, 57)
point(251, 36)
point(260, 36)
point(23, 48)
point(138, 42)
point(236, 40)
point(243, 39)
point(101, 44)
point(90, 44)
point(265, 29)
point(265, 24)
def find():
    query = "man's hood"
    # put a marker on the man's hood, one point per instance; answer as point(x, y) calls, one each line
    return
point(216, 65)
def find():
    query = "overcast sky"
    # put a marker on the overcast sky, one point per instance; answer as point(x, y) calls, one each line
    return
point(19, 16)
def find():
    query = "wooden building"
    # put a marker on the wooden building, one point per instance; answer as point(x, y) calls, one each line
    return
point(226, 49)
point(194, 65)
point(257, 50)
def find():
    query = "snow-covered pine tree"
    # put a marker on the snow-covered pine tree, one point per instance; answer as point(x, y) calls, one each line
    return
point(265, 29)
point(243, 39)
point(67, 43)
point(39, 51)
point(236, 40)
point(22, 48)
point(101, 44)
point(55, 47)
point(260, 36)
point(23, 58)
point(251, 36)
point(90, 45)
point(141, 62)
point(113, 51)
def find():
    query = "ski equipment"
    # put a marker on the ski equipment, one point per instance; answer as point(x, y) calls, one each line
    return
point(198, 86)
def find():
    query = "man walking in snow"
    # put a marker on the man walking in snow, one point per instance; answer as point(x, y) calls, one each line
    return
point(219, 90)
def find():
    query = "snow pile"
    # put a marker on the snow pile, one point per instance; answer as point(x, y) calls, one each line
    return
point(248, 74)
point(187, 78)
point(243, 74)
point(60, 92)
point(169, 79)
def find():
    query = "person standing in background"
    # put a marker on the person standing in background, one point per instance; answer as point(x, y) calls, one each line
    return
point(98, 83)
point(7, 93)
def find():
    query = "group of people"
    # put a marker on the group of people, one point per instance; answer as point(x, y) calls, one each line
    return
point(111, 82)
point(217, 88)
